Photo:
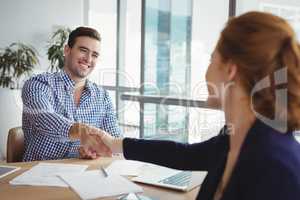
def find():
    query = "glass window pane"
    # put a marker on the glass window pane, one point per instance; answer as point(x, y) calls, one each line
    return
point(179, 38)
point(167, 64)
point(167, 46)
point(131, 72)
point(103, 16)
point(129, 51)
point(204, 124)
point(209, 18)
point(131, 120)
point(169, 123)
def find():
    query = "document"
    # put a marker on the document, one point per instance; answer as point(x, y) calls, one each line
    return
point(93, 184)
point(125, 167)
point(45, 174)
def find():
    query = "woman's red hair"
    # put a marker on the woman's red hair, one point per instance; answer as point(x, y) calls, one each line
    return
point(261, 44)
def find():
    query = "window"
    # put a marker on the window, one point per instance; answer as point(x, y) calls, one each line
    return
point(159, 48)
point(167, 65)
point(179, 38)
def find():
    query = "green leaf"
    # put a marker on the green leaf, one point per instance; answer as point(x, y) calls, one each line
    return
point(56, 48)
point(15, 60)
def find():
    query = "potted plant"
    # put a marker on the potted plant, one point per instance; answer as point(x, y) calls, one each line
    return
point(56, 48)
point(16, 60)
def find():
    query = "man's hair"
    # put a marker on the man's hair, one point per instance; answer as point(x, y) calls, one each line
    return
point(83, 31)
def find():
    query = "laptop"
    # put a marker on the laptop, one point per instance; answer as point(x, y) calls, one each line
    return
point(6, 170)
point(170, 178)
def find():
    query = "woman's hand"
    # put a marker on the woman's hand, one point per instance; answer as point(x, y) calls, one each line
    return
point(114, 144)
point(91, 146)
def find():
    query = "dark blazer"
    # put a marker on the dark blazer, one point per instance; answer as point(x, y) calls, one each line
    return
point(268, 167)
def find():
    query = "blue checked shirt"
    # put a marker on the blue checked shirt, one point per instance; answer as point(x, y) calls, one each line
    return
point(49, 111)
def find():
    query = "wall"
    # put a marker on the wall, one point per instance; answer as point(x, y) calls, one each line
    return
point(31, 22)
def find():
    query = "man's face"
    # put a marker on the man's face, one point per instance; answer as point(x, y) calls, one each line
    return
point(81, 59)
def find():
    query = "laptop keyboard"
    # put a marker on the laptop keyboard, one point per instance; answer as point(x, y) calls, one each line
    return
point(179, 179)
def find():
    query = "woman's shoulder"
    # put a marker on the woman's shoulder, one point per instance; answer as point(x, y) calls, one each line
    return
point(267, 151)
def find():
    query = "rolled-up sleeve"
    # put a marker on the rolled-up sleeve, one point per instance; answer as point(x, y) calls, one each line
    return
point(110, 123)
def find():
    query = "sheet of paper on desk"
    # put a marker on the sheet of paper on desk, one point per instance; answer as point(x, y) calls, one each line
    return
point(125, 167)
point(45, 174)
point(92, 184)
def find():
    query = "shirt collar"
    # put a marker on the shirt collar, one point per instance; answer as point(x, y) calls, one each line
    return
point(90, 87)
point(68, 82)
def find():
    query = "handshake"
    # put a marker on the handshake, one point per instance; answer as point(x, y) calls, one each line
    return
point(95, 142)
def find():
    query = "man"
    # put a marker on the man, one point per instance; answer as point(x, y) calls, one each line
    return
point(62, 107)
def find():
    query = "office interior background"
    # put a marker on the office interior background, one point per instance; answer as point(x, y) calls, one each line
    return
point(154, 55)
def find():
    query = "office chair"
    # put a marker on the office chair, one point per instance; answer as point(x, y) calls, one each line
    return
point(15, 145)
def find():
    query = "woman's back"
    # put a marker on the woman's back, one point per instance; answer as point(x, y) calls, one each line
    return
point(267, 168)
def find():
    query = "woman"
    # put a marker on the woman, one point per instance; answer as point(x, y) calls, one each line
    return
point(255, 65)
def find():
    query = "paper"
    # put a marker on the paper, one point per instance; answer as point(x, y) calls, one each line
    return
point(125, 167)
point(45, 174)
point(93, 184)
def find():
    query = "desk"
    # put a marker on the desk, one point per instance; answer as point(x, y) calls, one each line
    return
point(10, 192)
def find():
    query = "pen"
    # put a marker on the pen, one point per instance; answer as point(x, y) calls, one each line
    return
point(103, 171)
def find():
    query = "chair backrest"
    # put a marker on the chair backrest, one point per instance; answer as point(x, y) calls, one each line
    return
point(15, 145)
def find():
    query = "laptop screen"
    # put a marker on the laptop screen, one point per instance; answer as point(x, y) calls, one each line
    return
point(5, 170)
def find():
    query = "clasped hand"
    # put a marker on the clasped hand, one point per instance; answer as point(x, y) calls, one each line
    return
point(92, 145)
